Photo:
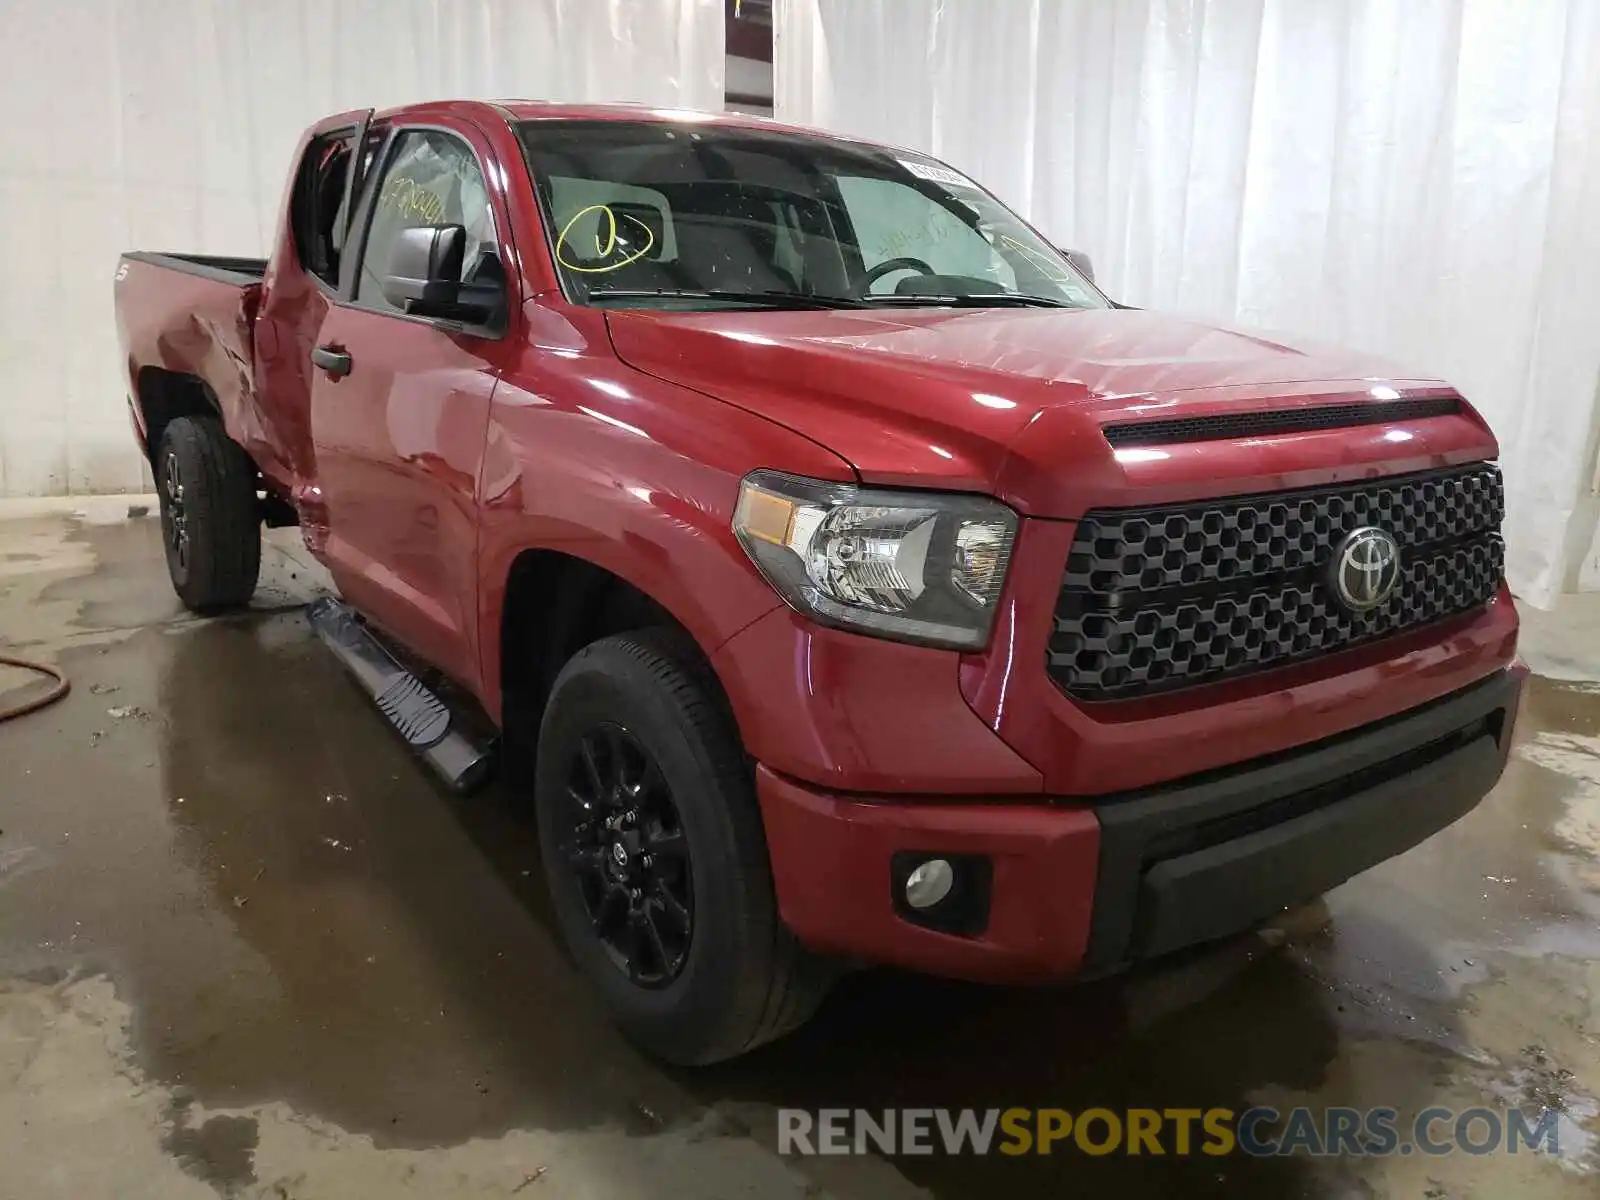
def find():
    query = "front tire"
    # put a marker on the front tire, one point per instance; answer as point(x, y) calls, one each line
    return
point(656, 858)
point(210, 518)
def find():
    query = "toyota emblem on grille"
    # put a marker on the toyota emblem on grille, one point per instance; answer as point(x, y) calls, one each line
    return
point(1366, 568)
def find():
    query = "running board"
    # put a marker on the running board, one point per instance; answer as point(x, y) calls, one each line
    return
point(419, 716)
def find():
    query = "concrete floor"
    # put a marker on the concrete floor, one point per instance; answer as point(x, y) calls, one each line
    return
point(248, 948)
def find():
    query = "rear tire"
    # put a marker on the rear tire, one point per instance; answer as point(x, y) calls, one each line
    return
point(737, 978)
point(210, 517)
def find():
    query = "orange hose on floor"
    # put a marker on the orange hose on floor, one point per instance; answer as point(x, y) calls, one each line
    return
point(61, 688)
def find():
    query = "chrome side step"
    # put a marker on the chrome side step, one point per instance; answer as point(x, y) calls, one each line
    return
point(419, 716)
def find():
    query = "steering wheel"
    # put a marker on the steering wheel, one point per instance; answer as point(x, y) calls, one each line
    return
point(888, 265)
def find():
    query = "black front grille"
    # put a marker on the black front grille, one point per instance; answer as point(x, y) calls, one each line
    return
point(1289, 420)
point(1168, 597)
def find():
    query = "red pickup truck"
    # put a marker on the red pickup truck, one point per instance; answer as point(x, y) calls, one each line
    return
point(846, 577)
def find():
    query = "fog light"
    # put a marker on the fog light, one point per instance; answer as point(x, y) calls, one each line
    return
point(929, 883)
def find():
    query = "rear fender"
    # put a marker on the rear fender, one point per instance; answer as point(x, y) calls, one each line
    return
point(179, 326)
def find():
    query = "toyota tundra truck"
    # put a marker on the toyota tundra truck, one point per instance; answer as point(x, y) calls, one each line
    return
point(842, 577)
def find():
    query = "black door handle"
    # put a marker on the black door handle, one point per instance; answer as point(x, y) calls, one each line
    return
point(335, 362)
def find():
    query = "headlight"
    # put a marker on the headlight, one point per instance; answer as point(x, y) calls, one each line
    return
point(913, 566)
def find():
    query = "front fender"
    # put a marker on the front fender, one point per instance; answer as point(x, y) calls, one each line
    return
point(640, 477)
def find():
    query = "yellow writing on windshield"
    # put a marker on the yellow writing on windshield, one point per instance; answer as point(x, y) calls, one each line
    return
point(607, 241)
point(896, 243)
point(1050, 270)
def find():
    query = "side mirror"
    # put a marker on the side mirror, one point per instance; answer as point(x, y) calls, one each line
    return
point(1081, 262)
point(424, 278)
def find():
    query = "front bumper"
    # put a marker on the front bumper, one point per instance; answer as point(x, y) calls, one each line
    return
point(1086, 887)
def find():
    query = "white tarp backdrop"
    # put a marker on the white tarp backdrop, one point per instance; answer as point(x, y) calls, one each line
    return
point(168, 125)
point(1419, 178)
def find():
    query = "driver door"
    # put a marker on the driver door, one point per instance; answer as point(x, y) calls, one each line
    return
point(400, 404)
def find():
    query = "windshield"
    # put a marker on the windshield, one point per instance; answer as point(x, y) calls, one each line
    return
point(686, 216)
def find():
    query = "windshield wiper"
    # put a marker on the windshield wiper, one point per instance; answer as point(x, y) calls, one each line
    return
point(970, 300)
point(803, 300)
point(760, 299)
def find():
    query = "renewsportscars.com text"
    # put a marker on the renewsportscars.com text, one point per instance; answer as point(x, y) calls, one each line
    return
point(1258, 1132)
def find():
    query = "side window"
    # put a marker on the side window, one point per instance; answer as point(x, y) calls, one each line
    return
point(314, 213)
point(431, 178)
point(896, 221)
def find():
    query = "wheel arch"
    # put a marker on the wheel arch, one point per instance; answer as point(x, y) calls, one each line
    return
point(555, 603)
point(165, 395)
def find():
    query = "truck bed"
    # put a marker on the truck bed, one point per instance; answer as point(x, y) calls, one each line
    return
point(183, 318)
point(220, 267)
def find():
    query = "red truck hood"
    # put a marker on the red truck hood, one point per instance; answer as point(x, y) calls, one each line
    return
point(1011, 401)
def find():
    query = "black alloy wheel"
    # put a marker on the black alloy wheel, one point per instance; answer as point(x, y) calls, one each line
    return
point(629, 856)
point(651, 838)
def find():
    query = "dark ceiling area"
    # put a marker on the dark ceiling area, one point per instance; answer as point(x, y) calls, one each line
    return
point(749, 28)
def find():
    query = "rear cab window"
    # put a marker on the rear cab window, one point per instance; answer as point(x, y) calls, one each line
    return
point(317, 203)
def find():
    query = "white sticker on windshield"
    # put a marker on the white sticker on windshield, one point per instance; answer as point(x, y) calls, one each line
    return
point(936, 174)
